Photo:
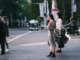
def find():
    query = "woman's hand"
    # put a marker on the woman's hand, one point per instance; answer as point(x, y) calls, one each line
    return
point(59, 32)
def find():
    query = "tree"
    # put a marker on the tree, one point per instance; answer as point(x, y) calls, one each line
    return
point(64, 7)
point(35, 8)
point(18, 8)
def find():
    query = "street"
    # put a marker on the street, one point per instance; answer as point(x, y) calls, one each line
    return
point(24, 36)
point(32, 45)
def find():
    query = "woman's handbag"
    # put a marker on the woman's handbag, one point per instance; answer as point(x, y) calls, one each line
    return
point(65, 40)
point(61, 37)
point(58, 39)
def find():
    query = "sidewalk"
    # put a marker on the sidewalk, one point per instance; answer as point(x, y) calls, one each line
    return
point(39, 52)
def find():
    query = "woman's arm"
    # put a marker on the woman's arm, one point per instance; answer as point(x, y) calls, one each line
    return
point(60, 26)
point(49, 26)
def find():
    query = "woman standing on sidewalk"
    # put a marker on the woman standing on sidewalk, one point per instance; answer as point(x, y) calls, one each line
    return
point(59, 27)
point(2, 36)
point(51, 41)
point(7, 25)
point(4, 18)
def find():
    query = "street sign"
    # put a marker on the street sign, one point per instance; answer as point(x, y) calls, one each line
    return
point(54, 10)
point(74, 8)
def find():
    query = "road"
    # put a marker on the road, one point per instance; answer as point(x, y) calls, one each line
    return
point(24, 36)
point(32, 45)
point(21, 36)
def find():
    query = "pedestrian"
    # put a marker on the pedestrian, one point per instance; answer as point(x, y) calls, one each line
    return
point(7, 30)
point(59, 27)
point(51, 41)
point(7, 25)
point(73, 26)
point(39, 25)
point(2, 36)
point(35, 25)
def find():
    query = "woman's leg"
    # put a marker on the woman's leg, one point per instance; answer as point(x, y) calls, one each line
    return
point(51, 49)
point(7, 44)
point(50, 52)
point(53, 52)
point(59, 48)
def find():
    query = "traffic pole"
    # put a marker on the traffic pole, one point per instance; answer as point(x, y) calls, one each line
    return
point(54, 4)
point(45, 14)
point(72, 3)
point(54, 9)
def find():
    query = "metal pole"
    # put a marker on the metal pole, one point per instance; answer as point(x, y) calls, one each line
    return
point(72, 3)
point(45, 14)
point(54, 4)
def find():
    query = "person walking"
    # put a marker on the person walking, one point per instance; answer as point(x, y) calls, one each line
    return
point(59, 26)
point(39, 25)
point(4, 18)
point(2, 36)
point(7, 25)
point(51, 41)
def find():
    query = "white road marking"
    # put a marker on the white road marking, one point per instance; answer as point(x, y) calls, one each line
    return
point(33, 44)
point(19, 36)
point(12, 36)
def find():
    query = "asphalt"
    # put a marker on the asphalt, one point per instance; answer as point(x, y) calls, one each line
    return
point(38, 51)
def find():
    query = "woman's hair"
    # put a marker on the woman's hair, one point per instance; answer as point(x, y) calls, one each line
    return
point(5, 20)
point(51, 16)
point(59, 15)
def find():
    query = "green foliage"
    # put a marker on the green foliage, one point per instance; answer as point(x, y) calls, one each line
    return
point(21, 8)
point(35, 13)
point(18, 8)
point(64, 7)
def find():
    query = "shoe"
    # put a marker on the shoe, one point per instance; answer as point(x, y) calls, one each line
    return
point(7, 50)
point(58, 51)
point(49, 54)
point(53, 55)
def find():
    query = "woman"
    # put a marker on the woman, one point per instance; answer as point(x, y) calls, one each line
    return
point(2, 36)
point(59, 26)
point(51, 42)
point(6, 26)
